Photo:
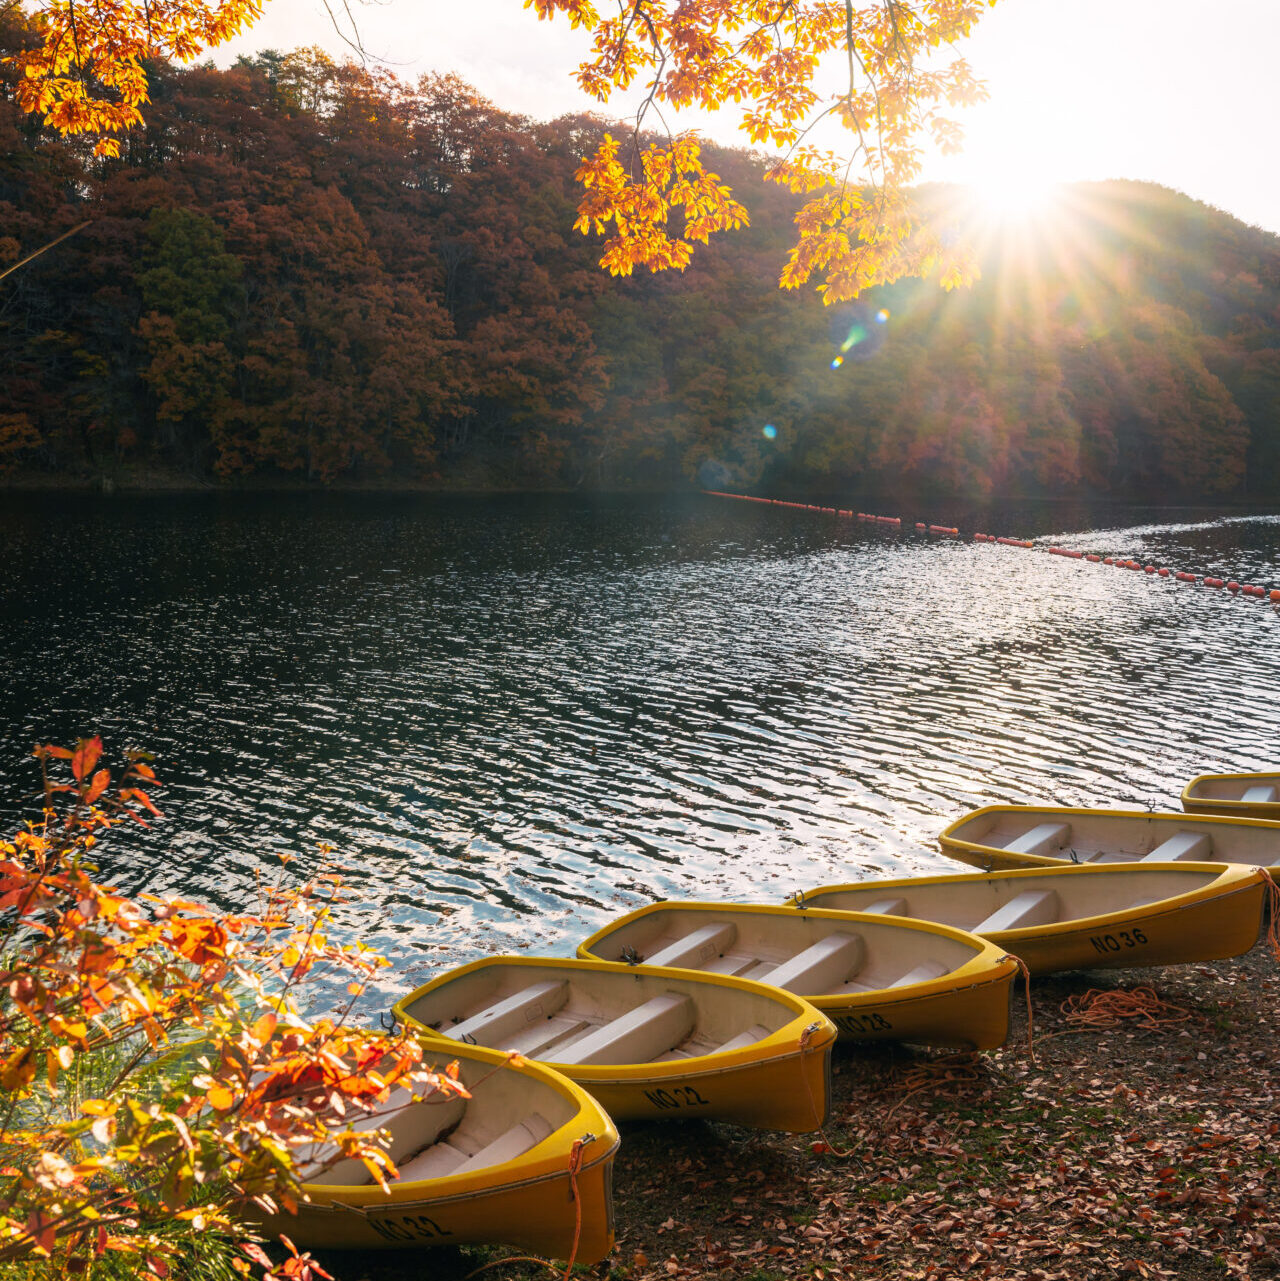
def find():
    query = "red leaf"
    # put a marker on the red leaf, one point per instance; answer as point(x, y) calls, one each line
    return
point(98, 785)
point(86, 757)
point(257, 1254)
point(142, 798)
point(59, 753)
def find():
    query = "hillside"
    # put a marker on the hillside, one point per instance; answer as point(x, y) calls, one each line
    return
point(308, 272)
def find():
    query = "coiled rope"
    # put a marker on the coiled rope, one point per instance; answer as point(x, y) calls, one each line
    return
point(1100, 1009)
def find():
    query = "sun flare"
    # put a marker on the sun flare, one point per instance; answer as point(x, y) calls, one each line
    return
point(1013, 197)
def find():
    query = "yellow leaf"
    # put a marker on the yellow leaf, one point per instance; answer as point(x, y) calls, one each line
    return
point(220, 1097)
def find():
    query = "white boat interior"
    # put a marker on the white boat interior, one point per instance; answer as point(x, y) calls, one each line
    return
point(1103, 836)
point(1252, 789)
point(992, 902)
point(508, 1114)
point(570, 1015)
point(808, 954)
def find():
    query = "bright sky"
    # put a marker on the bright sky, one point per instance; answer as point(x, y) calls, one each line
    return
point(1173, 91)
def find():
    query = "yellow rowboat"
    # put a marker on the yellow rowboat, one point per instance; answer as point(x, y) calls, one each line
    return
point(1068, 918)
point(876, 979)
point(527, 1161)
point(647, 1042)
point(1236, 795)
point(1010, 836)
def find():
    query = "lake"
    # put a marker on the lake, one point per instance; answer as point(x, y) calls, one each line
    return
point(514, 716)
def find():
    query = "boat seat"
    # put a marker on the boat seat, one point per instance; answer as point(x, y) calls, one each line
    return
point(822, 967)
point(432, 1163)
point(1260, 795)
point(734, 965)
point(1183, 847)
point(1042, 839)
point(410, 1126)
point(1031, 907)
point(694, 950)
point(512, 1014)
point(922, 973)
point(538, 1040)
point(638, 1036)
point(740, 1042)
point(437, 1161)
point(887, 907)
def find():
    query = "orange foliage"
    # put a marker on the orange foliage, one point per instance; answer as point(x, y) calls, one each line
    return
point(87, 77)
point(210, 1078)
point(764, 56)
point(17, 434)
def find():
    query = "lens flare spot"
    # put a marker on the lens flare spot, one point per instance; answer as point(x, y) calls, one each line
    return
point(882, 316)
point(769, 431)
point(837, 362)
point(856, 335)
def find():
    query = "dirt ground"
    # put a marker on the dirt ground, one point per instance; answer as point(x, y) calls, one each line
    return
point(1149, 1148)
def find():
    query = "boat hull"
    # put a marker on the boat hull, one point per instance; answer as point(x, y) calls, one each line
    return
point(1224, 794)
point(1103, 836)
point(1221, 917)
point(780, 1082)
point(970, 1017)
point(552, 1200)
point(789, 1093)
point(1210, 929)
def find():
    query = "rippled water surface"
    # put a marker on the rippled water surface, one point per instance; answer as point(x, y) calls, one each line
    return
point(513, 717)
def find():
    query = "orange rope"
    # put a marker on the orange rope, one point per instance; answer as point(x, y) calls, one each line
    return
point(953, 1069)
point(1026, 979)
point(1273, 914)
point(575, 1165)
point(824, 1147)
point(1098, 1009)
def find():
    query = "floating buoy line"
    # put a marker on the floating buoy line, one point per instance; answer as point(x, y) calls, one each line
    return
point(950, 531)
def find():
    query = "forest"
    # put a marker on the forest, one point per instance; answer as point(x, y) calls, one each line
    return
point(308, 273)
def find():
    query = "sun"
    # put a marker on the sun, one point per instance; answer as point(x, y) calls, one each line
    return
point(1013, 197)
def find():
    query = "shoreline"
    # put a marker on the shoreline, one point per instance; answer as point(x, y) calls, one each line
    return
point(161, 484)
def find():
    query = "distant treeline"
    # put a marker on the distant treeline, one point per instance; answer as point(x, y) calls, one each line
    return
point(300, 269)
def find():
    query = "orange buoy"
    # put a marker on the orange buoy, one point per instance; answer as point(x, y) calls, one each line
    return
point(1164, 573)
point(1275, 595)
point(1186, 578)
point(1149, 569)
point(1214, 582)
point(1097, 560)
point(1233, 586)
point(943, 529)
